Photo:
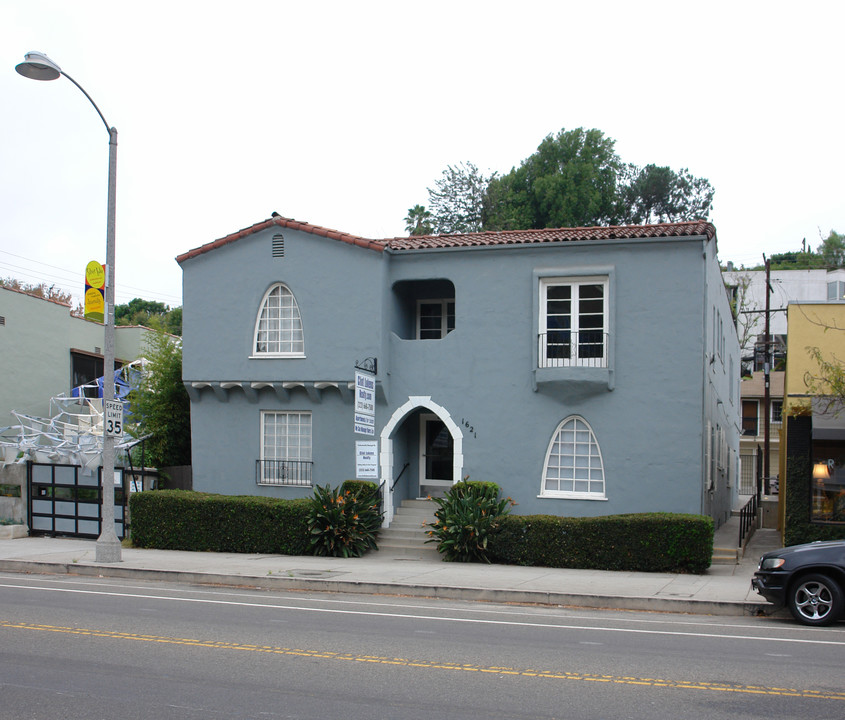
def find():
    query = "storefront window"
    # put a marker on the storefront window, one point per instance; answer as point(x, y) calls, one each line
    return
point(828, 485)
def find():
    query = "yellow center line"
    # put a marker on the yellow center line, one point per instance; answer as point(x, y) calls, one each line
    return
point(432, 665)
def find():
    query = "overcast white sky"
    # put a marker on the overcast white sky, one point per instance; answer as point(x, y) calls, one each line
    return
point(343, 113)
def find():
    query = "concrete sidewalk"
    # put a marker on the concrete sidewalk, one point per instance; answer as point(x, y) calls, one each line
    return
point(722, 590)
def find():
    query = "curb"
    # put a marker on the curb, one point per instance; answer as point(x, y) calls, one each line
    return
point(504, 596)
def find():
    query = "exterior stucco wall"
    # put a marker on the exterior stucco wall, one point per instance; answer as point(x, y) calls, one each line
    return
point(647, 410)
point(811, 325)
point(36, 338)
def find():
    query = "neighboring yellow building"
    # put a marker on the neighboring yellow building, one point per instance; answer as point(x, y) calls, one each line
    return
point(812, 459)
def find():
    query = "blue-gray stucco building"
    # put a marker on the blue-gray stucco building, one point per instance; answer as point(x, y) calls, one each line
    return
point(587, 371)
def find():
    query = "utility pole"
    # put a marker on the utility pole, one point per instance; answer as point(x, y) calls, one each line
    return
point(767, 348)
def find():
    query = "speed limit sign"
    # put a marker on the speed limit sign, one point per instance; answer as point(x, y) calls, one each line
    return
point(114, 418)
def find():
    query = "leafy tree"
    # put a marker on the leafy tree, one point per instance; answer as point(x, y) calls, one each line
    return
point(151, 314)
point(418, 221)
point(659, 194)
point(748, 321)
point(457, 198)
point(570, 181)
point(795, 261)
point(42, 290)
point(832, 250)
point(161, 402)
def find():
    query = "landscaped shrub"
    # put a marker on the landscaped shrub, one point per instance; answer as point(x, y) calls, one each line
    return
point(343, 522)
point(187, 520)
point(466, 519)
point(645, 542)
point(489, 489)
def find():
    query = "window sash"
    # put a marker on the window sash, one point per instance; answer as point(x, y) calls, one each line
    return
point(573, 322)
point(435, 318)
point(278, 330)
point(574, 466)
point(286, 442)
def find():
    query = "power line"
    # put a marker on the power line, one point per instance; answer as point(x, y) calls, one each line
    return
point(71, 283)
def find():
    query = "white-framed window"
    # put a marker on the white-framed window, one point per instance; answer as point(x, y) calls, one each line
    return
point(285, 448)
point(836, 290)
point(435, 318)
point(777, 411)
point(278, 328)
point(573, 467)
point(573, 322)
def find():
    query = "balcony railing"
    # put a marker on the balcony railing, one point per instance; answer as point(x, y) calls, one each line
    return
point(569, 348)
point(283, 472)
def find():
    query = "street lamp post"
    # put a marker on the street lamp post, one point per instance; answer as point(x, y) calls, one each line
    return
point(38, 66)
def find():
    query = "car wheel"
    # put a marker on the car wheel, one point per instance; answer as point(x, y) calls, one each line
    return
point(815, 600)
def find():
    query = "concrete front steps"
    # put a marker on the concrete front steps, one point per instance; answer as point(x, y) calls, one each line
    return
point(406, 535)
point(725, 556)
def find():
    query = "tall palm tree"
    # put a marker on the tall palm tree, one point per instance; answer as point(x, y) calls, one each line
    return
point(418, 221)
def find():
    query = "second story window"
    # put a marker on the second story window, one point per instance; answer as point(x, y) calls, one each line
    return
point(435, 319)
point(836, 291)
point(777, 411)
point(573, 322)
point(423, 309)
point(278, 329)
point(749, 417)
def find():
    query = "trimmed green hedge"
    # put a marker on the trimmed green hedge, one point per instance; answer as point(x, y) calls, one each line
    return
point(187, 520)
point(645, 542)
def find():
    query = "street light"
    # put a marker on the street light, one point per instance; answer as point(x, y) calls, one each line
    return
point(38, 66)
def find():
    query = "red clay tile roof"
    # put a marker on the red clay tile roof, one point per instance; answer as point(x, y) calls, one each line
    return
point(547, 235)
point(479, 239)
point(279, 221)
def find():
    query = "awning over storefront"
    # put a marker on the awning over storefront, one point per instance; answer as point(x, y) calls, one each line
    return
point(828, 419)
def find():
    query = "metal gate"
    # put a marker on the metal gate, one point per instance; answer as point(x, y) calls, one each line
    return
point(64, 500)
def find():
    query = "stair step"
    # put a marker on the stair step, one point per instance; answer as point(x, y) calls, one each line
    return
point(391, 533)
point(725, 556)
point(407, 533)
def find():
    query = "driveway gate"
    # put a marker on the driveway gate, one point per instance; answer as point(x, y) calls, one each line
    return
point(63, 500)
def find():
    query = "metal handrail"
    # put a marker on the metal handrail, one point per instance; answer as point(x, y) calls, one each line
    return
point(399, 475)
point(747, 520)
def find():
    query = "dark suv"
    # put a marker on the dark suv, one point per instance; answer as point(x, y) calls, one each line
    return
point(808, 579)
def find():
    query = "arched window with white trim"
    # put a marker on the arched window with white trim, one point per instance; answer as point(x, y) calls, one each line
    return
point(574, 467)
point(278, 329)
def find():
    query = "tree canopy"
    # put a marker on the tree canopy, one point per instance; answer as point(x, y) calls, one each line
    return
point(832, 249)
point(659, 194)
point(43, 290)
point(574, 179)
point(456, 199)
point(151, 314)
point(161, 403)
point(418, 221)
point(570, 181)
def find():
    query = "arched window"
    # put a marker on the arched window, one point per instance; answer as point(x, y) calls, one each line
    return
point(278, 330)
point(573, 467)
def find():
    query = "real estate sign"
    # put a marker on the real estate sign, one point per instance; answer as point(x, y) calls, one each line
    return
point(366, 459)
point(365, 403)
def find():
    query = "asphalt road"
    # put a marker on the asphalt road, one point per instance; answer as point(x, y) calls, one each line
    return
point(104, 648)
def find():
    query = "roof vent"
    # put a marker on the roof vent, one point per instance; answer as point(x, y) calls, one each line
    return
point(2, 319)
point(278, 246)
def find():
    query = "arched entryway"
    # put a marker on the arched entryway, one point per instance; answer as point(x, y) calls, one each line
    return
point(436, 437)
